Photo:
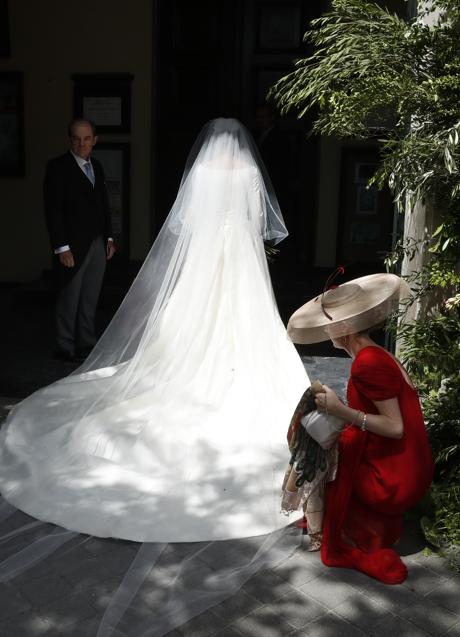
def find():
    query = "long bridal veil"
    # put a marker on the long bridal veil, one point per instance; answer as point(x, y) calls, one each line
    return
point(224, 186)
point(173, 431)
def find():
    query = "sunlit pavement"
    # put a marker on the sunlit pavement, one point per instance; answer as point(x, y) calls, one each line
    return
point(66, 594)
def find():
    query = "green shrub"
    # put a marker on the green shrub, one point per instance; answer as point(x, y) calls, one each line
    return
point(372, 74)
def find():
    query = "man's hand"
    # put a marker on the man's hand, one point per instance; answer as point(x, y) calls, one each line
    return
point(110, 250)
point(66, 258)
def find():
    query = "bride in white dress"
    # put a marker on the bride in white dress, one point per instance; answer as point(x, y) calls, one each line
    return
point(174, 430)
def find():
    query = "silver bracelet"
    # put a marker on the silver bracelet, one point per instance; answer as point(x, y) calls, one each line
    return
point(363, 423)
point(356, 418)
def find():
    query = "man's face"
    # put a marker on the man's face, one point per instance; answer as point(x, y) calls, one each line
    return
point(82, 140)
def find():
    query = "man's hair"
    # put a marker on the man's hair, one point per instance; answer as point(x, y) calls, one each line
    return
point(80, 120)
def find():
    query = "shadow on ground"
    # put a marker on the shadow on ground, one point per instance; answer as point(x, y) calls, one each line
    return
point(69, 591)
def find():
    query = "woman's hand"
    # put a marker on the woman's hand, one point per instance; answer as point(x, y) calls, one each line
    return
point(388, 422)
point(328, 402)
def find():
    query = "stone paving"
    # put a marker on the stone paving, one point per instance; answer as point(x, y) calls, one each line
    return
point(66, 594)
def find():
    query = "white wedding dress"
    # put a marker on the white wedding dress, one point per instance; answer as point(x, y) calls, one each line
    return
point(175, 429)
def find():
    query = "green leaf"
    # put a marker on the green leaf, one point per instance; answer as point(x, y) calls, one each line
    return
point(445, 244)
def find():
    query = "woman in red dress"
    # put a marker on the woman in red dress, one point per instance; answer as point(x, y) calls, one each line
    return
point(385, 464)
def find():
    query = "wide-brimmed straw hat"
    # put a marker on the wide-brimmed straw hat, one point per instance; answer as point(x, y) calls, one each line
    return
point(348, 308)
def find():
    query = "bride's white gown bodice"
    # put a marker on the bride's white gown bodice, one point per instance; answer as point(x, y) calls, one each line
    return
point(185, 441)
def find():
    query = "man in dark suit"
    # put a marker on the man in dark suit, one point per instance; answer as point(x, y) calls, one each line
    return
point(78, 220)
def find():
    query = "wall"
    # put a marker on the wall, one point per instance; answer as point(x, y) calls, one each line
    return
point(50, 41)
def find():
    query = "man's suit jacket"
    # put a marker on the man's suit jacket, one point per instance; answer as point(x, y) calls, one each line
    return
point(76, 212)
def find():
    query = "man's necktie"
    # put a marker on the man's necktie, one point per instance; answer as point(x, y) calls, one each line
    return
point(89, 171)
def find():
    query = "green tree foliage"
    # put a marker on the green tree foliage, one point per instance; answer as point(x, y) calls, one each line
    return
point(374, 75)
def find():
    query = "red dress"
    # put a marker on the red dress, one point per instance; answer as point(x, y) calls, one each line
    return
point(378, 478)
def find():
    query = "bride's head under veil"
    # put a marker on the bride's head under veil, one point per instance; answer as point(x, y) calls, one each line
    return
point(172, 435)
point(223, 174)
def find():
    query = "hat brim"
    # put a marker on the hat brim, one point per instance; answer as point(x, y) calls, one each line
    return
point(352, 307)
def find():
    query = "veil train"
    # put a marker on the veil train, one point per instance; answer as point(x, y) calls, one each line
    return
point(172, 433)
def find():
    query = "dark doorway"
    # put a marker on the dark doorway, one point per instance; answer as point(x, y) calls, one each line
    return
point(366, 214)
point(218, 59)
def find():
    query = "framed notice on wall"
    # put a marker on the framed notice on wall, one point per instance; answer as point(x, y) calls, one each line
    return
point(105, 100)
point(104, 111)
point(115, 159)
point(11, 124)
